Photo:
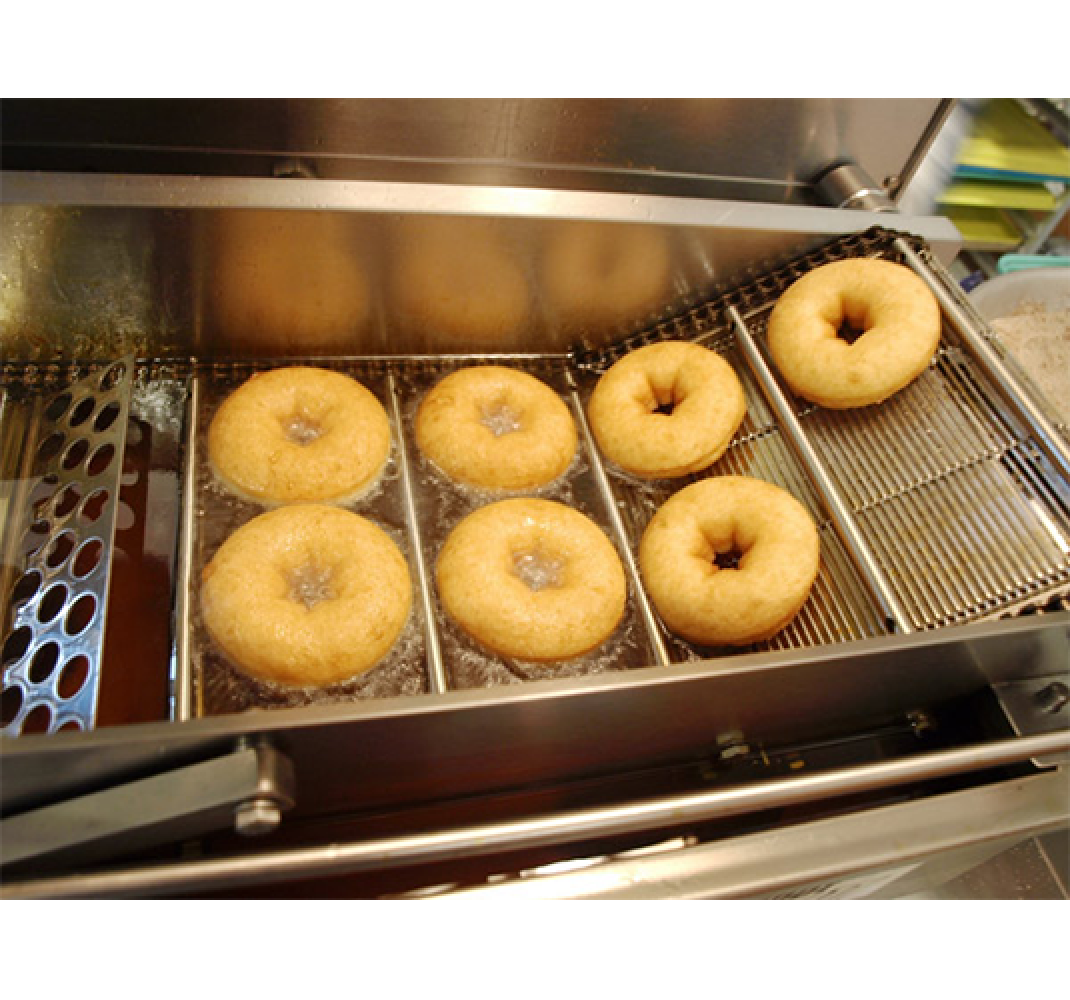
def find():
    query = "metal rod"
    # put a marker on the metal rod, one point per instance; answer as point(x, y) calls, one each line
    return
point(556, 828)
point(848, 532)
point(1053, 444)
point(182, 669)
point(439, 682)
point(657, 642)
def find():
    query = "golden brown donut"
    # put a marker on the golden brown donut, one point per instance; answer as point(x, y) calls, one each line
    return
point(306, 595)
point(707, 408)
point(778, 551)
point(496, 428)
point(532, 579)
point(898, 315)
point(601, 275)
point(299, 435)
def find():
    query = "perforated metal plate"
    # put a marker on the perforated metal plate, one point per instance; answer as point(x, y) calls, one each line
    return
point(52, 647)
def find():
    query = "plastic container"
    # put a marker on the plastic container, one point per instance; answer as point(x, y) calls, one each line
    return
point(1003, 295)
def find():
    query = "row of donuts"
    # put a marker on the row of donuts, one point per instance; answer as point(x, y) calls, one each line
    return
point(310, 594)
point(526, 577)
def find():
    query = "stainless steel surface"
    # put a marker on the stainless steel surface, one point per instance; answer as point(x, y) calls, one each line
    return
point(848, 186)
point(853, 540)
point(182, 690)
point(435, 665)
point(53, 645)
point(247, 787)
point(1036, 705)
point(767, 150)
point(561, 827)
point(398, 750)
point(892, 851)
point(95, 265)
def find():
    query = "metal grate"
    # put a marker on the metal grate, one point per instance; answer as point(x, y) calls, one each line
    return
point(946, 489)
point(62, 531)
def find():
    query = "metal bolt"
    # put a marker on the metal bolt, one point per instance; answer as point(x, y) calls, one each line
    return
point(256, 817)
point(1053, 698)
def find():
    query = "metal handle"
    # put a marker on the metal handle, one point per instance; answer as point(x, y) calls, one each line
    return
point(558, 828)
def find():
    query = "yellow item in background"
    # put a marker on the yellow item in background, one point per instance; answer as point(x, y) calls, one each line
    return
point(1027, 197)
point(1006, 139)
point(986, 228)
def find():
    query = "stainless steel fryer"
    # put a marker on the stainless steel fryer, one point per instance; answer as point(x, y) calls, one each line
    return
point(908, 725)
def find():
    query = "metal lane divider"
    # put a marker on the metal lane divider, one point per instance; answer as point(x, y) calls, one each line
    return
point(436, 669)
point(858, 549)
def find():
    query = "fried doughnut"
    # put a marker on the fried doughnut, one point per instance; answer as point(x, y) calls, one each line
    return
point(532, 579)
point(306, 595)
point(898, 315)
point(700, 387)
point(599, 276)
point(705, 599)
point(299, 435)
point(496, 428)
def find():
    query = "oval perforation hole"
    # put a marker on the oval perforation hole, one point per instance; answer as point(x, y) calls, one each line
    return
point(52, 603)
point(80, 615)
point(88, 558)
point(112, 377)
point(43, 491)
point(51, 446)
point(68, 499)
point(75, 454)
point(82, 412)
point(60, 549)
point(101, 459)
point(94, 505)
point(37, 720)
point(16, 645)
point(58, 406)
point(73, 677)
point(70, 726)
point(10, 705)
point(44, 662)
point(36, 537)
point(106, 417)
point(28, 585)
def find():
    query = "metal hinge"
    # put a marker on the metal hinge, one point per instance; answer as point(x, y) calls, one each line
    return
point(246, 790)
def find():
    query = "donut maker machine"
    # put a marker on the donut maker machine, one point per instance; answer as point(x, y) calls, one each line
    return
point(907, 726)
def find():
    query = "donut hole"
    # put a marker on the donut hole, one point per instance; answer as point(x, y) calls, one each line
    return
point(302, 429)
point(500, 418)
point(663, 400)
point(728, 559)
point(310, 585)
point(854, 320)
point(727, 553)
point(849, 331)
point(538, 569)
